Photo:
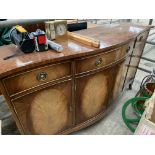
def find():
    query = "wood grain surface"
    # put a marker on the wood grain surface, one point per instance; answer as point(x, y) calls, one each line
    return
point(109, 36)
point(46, 111)
point(29, 79)
point(134, 61)
point(92, 94)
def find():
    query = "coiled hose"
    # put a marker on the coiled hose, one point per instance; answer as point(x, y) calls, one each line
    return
point(137, 103)
point(138, 106)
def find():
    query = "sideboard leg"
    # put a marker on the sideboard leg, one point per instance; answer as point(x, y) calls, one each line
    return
point(130, 86)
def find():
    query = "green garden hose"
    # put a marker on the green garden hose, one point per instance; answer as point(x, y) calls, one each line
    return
point(147, 87)
point(4, 36)
point(138, 107)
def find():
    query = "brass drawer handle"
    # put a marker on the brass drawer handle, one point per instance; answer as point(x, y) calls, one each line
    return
point(42, 76)
point(128, 49)
point(141, 38)
point(98, 62)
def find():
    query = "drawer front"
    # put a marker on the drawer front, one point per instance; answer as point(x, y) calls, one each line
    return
point(141, 38)
point(33, 78)
point(99, 61)
point(128, 48)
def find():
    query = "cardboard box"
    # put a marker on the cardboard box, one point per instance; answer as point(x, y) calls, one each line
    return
point(146, 125)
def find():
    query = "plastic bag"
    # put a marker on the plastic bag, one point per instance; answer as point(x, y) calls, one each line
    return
point(4, 36)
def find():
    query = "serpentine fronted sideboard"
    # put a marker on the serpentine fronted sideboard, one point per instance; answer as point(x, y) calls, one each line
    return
point(59, 93)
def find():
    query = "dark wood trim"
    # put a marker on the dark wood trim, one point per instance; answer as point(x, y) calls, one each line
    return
point(100, 69)
point(26, 91)
point(40, 88)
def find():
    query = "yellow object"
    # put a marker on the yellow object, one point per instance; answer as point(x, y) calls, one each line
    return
point(20, 29)
point(83, 39)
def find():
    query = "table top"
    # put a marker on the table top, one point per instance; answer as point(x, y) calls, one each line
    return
point(110, 36)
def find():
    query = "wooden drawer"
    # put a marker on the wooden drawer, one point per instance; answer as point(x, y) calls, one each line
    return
point(128, 48)
point(141, 38)
point(39, 76)
point(99, 61)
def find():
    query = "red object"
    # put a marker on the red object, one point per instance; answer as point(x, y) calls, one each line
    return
point(41, 39)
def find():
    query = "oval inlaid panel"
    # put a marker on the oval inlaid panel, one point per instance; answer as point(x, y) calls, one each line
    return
point(94, 95)
point(48, 112)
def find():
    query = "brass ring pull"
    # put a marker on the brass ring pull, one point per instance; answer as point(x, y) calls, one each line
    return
point(140, 39)
point(42, 76)
point(98, 62)
point(128, 49)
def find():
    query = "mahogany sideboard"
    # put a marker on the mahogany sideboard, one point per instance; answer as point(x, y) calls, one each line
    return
point(59, 93)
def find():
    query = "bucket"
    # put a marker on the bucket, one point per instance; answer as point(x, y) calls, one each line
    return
point(148, 89)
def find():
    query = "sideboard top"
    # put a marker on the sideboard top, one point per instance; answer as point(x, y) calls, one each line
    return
point(110, 36)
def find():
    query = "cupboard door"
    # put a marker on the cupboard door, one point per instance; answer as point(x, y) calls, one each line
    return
point(92, 93)
point(118, 82)
point(46, 111)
